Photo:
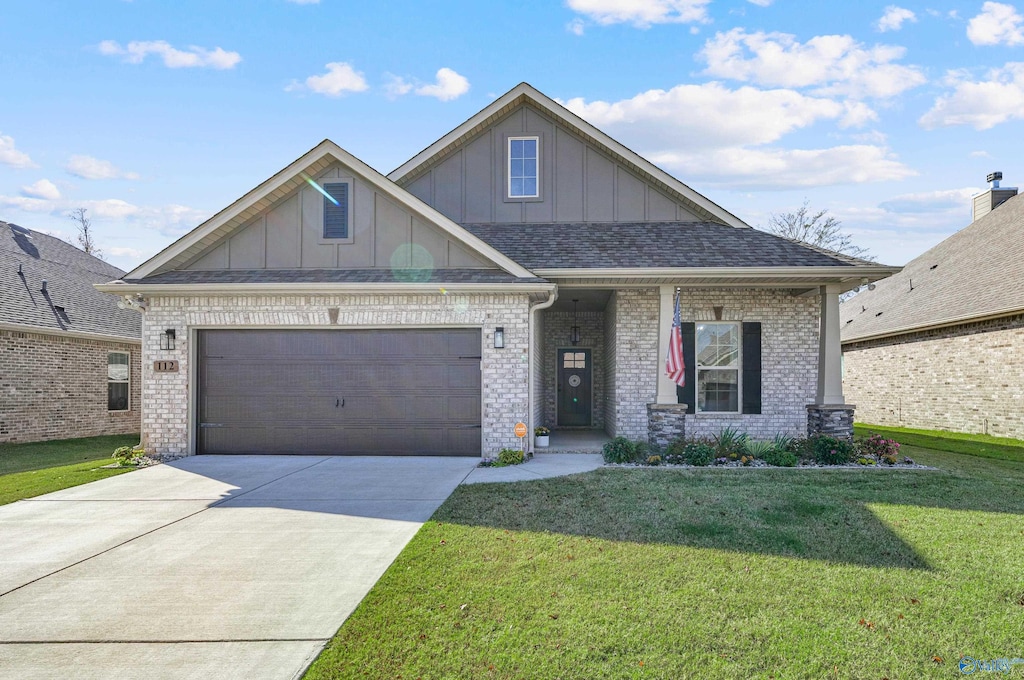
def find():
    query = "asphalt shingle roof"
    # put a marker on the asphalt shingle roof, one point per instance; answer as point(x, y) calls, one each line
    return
point(439, 276)
point(650, 244)
point(69, 274)
point(974, 273)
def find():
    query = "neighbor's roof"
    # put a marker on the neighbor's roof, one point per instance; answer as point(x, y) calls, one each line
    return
point(608, 245)
point(69, 274)
point(973, 274)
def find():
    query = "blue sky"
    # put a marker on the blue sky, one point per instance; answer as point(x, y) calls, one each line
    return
point(155, 115)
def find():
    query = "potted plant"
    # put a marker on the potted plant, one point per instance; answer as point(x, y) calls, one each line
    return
point(540, 436)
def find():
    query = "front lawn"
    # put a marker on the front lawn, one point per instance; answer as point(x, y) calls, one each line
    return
point(982, 445)
point(634, 573)
point(32, 469)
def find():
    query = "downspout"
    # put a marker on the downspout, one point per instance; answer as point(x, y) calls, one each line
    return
point(552, 296)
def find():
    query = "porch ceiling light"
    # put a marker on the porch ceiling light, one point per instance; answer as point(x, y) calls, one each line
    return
point(574, 331)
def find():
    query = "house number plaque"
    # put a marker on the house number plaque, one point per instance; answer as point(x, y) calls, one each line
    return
point(165, 366)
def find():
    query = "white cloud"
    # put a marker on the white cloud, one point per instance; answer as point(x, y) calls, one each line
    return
point(396, 86)
point(449, 85)
point(305, 2)
point(981, 104)
point(832, 64)
point(941, 200)
point(997, 24)
point(575, 26)
point(194, 57)
point(88, 167)
point(11, 156)
point(169, 220)
point(894, 17)
point(44, 188)
point(339, 79)
point(761, 3)
point(642, 13)
point(130, 253)
point(980, 154)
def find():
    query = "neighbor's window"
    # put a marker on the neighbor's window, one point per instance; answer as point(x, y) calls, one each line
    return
point(718, 367)
point(336, 214)
point(117, 381)
point(522, 167)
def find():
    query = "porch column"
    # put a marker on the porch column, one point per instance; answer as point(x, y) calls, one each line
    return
point(666, 388)
point(830, 352)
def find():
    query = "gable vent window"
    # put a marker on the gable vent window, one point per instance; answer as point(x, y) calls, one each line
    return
point(523, 173)
point(336, 215)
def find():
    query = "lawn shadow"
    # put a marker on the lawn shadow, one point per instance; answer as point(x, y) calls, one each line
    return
point(812, 514)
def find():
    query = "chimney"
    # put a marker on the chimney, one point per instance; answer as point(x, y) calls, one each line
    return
point(987, 201)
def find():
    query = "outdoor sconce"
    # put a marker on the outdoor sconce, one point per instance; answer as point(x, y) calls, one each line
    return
point(499, 337)
point(167, 339)
point(574, 331)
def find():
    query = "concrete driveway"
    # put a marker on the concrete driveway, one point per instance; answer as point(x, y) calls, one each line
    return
point(212, 566)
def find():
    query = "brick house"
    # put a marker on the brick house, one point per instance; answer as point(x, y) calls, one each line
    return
point(521, 268)
point(941, 344)
point(69, 357)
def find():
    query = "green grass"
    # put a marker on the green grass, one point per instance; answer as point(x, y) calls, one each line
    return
point(706, 573)
point(28, 470)
point(981, 445)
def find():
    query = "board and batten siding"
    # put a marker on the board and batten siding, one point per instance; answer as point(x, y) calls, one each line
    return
point(578, 182)
point(289, 235)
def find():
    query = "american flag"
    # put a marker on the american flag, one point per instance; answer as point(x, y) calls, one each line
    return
point(674, 365)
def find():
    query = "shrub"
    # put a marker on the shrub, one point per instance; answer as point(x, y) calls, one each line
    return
point(878, 446)
point(889, 460)
point(831, 451)
point(127, 455)
point(620, 450)
point(509, 457)
point(654, 460)
point(865, 461)
point(541, 431)
point(730, 441)
point(780, 458)
point(698, 453)
point(784, 442)
point(757, 449)
point(675, 452)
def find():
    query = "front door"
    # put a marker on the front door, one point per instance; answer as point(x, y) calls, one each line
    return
point(574, 387)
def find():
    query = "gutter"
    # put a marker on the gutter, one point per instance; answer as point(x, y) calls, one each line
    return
point(532, 323)
point(812, 273)
point(123, 288)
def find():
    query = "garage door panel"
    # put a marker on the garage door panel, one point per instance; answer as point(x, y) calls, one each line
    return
point(386, 392)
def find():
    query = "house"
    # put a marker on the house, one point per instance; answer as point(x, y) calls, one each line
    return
point(69, 357)
point(941, 344)
point(522, 268)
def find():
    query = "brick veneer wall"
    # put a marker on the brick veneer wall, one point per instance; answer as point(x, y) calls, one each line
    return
point(610, 352)
point(635, 330)
point(967, 378)
point(789, 358)
point(556, 336)
point(55, 387)
point(505, 371)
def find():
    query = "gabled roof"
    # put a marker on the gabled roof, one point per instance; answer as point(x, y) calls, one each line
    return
point(974, 274)
point(30, 257)
point(281, 185)
point(524, 93)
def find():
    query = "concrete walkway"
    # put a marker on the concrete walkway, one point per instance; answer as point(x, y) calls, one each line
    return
point(542, 465)
point(213, 566)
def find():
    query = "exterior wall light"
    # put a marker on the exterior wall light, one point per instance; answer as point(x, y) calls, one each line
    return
point(167, 339)
point(574, 330)
point(499, 337)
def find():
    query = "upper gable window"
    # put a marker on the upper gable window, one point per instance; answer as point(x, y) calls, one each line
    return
point(336, 210)
point(523, 174)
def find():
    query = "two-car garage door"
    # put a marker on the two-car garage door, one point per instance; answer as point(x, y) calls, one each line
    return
point(357, 392)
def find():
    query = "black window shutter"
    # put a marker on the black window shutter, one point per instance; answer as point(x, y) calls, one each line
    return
point(336, 216)
point(752, 367)
point(688, 393)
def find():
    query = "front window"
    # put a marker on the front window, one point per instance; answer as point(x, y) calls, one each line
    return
point(522, 167)
point(718, 367)
point(117, 381)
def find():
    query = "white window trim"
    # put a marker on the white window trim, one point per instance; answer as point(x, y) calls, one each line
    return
point(128, 382)
point(508, 167)
point(739, 368)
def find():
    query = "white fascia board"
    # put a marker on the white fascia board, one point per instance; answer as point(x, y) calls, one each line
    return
point(43, 330)
point(905, 330)
point(815, 273)
point(559, 112)
point(121, 288)
point(327, 147)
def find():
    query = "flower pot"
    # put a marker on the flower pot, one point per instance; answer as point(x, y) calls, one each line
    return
point(540, 442)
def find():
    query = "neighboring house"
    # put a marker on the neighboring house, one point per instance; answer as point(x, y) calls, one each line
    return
point(941, 344)
point(521, 268)
point(69, 358)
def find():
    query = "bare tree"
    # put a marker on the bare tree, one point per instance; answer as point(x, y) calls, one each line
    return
point(85, 235)
point(817, 229)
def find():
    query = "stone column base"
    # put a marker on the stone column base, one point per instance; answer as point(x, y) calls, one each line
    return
point(665, 423)
point(834, 420)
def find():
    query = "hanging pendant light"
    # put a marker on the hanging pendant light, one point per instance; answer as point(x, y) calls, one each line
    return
point(574, 331)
